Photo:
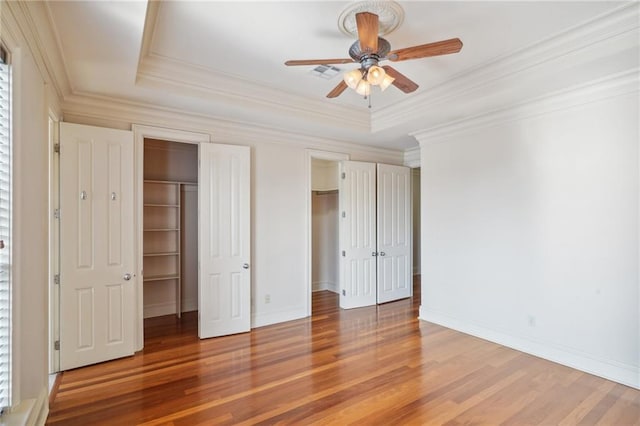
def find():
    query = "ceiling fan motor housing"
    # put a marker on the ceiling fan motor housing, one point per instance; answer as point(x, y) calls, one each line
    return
point(369, 59)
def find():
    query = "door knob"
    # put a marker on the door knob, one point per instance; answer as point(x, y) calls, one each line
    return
point(127, 276)
point(383, 253)
point(245, 266)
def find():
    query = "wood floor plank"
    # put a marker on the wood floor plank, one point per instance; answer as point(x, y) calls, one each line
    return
point(375, 365)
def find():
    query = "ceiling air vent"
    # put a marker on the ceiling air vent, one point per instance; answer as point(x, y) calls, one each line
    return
point(325, 71)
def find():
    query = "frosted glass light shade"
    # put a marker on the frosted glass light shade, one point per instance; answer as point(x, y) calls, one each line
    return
point(375, 75)
point(352, 78)
point(386, 82)
point(363, 88)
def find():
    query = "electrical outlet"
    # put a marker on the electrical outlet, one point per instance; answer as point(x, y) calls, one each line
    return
point(267, 298)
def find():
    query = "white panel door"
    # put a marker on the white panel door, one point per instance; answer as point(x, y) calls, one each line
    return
point(224, 282)
point(96, 249)
point(394, 233)
point(358, 234)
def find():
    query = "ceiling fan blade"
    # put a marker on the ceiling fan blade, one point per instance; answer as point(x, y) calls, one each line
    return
point(337, 91)
point(443, 47)
point(319, 61)
point(367, 31)
point(401, 81)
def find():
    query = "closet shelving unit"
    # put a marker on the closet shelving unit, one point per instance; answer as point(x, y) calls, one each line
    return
point(161, 249)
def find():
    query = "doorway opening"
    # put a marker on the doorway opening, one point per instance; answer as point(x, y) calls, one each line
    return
point(415, 185)
point(324, 231)
point(323, 200)
point(170, 235)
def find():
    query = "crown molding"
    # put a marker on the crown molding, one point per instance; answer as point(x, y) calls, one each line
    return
point(182, 77)
point(148, 32)
point(33, 22)
point(592, 39)
point(127, 113)
point(179, 76)
point(412, 157)
point(621, 84)
point(63, 72)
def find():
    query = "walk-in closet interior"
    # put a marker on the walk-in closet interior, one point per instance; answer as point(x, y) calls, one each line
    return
point(324, 222)
point(170, 241)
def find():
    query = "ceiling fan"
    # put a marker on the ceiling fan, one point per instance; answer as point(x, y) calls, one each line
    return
point(369, 50)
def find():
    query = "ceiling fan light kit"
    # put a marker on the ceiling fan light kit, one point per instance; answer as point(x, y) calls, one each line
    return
point(363, 88)
point(386, 82)
point(370, 49)
point(352, 78)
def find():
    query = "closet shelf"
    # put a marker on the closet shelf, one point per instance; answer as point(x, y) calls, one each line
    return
point(161, 277)
point(162, 235)
point(170, 253)
point(170, 182)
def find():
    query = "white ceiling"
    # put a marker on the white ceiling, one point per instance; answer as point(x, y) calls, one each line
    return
point(226, 59)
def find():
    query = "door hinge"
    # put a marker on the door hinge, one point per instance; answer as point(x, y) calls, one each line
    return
point(343, 175)
point(344, 292)
point(344, 214)
point(344, 253)
point(56, 148)
point(56, 345)
point(56, 279)
point(56, 213)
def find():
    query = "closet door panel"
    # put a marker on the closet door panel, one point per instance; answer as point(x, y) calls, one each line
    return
point(96, 245)
point(358, 234)
point(394, 232)
point(224, 246)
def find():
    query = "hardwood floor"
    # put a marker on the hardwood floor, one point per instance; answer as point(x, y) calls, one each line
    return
point(367, 366)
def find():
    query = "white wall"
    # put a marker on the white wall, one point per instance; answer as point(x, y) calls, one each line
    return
point(530, 232)
point(189, 249)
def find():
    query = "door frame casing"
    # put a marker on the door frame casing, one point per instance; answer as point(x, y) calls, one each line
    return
point(140, 133)
point(54, 242)
point(312, 154)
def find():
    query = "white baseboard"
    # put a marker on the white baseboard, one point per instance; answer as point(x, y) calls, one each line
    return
point(159, 309)
point(40, 409)
point(30, 412)
point(169, 308)
point(628, 375)
point(260, 320)
point(189, 305)
point(324, 285)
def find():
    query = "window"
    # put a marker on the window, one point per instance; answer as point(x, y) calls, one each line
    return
point(5, 230)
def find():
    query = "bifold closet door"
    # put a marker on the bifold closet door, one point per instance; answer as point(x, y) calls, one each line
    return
point(375, 233)
point(394, 232)
point(357, 234)
point(224, 282)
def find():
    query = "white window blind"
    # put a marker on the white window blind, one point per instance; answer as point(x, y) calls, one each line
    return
point(5, 230)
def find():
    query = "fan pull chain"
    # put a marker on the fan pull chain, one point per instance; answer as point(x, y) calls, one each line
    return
point(369, 99)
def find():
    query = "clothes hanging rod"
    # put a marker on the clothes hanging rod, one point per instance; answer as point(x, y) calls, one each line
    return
point(332, 191)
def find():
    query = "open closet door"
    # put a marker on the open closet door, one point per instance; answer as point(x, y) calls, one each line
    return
point(96, 248)
point(394, 233)
point(358, 234)
point(224, 280)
